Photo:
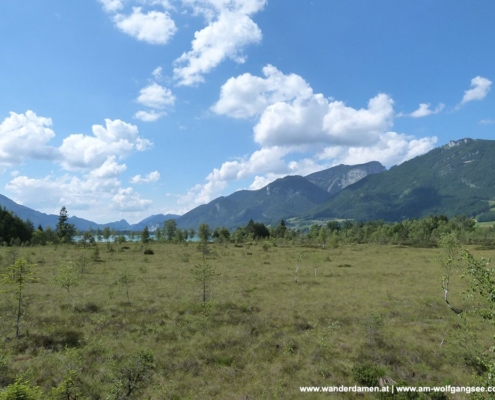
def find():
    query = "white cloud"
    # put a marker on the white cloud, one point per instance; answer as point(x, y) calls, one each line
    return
point(424, 110)
point(116, 138)
point(210, 8)
point(229, 31)
point(292, 119)
point(149, 116)
point(154, 27)
point(25, 136)
point(266, 165)
point(248, 95)
point(200, 194)
point(151, 177)
point(156, 96)
point(391, 148)
point(264, 160)
point(316, 120)
point(164, 3)
point(111, 6)
point(127, 200)
point(95, 189)
point(99, 190)
point(291, 114)
point(480, 88)
point(487, 122)
point(157, 73)
point(302, 167)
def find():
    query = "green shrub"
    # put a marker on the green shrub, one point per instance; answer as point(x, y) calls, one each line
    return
point(367, 374)
point(20, 390)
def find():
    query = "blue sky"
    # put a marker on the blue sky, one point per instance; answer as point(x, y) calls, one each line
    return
point(127, 108)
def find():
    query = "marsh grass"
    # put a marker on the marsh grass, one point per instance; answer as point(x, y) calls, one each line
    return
point(259, 336)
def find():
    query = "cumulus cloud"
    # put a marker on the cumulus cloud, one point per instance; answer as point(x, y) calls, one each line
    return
point(128, 200)
point(266, 164)
point(480, 88)
point(391, 148)
point(424, 110)
point(157, 73)
point(291, 114)
point(154, 27)
point(99, 189)
point(151, 177)
point(94, 159)
point(293, 120)
point(25, 136)
point(111, 6)
point(247, 95)
point(230, 29)
point(116, 138)
point(316, 120)
point(156, 96)
point(149, 116)
point(93, 189)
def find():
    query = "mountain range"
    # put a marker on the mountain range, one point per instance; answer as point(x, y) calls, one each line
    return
point(51, 220)
point(453, 179)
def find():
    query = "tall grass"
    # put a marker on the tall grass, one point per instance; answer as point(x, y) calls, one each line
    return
point(259, 335)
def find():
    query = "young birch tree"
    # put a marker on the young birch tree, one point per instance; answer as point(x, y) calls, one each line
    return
point(67, 278)
point(19, 275)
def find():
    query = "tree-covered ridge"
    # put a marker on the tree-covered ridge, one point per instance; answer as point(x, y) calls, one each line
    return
point(452, 180)
point(286, 197)
point(13, 229)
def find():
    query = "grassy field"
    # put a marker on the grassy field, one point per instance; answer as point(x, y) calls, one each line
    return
point(261, 335)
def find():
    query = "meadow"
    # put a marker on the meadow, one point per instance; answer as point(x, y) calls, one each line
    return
point(134, 325)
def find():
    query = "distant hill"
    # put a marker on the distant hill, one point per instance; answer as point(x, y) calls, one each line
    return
point(454, 179)
point(153, 222)
point(284, 198)
point(333, 180)
point(51, 220)
point(26, 213)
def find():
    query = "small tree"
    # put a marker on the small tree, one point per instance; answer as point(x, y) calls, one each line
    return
point(96, 254)
point(170, 229)
point(106, 233)
point(450, 246)
point(125, 279)
point(19, 275)
point(20, 390)
point(65, 231)
point(134, 374)
point(82, 263)
point(482, 285)
point(145, 235)
point(204, 274)
point(323, 236)
point(68, 389)
point(67, 278)
point(204, 233)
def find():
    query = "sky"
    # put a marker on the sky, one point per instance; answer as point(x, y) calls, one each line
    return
point(120, 109)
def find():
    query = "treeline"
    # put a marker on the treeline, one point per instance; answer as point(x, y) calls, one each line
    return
point(421, 232)
point(14, 230)
point(425, 232)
